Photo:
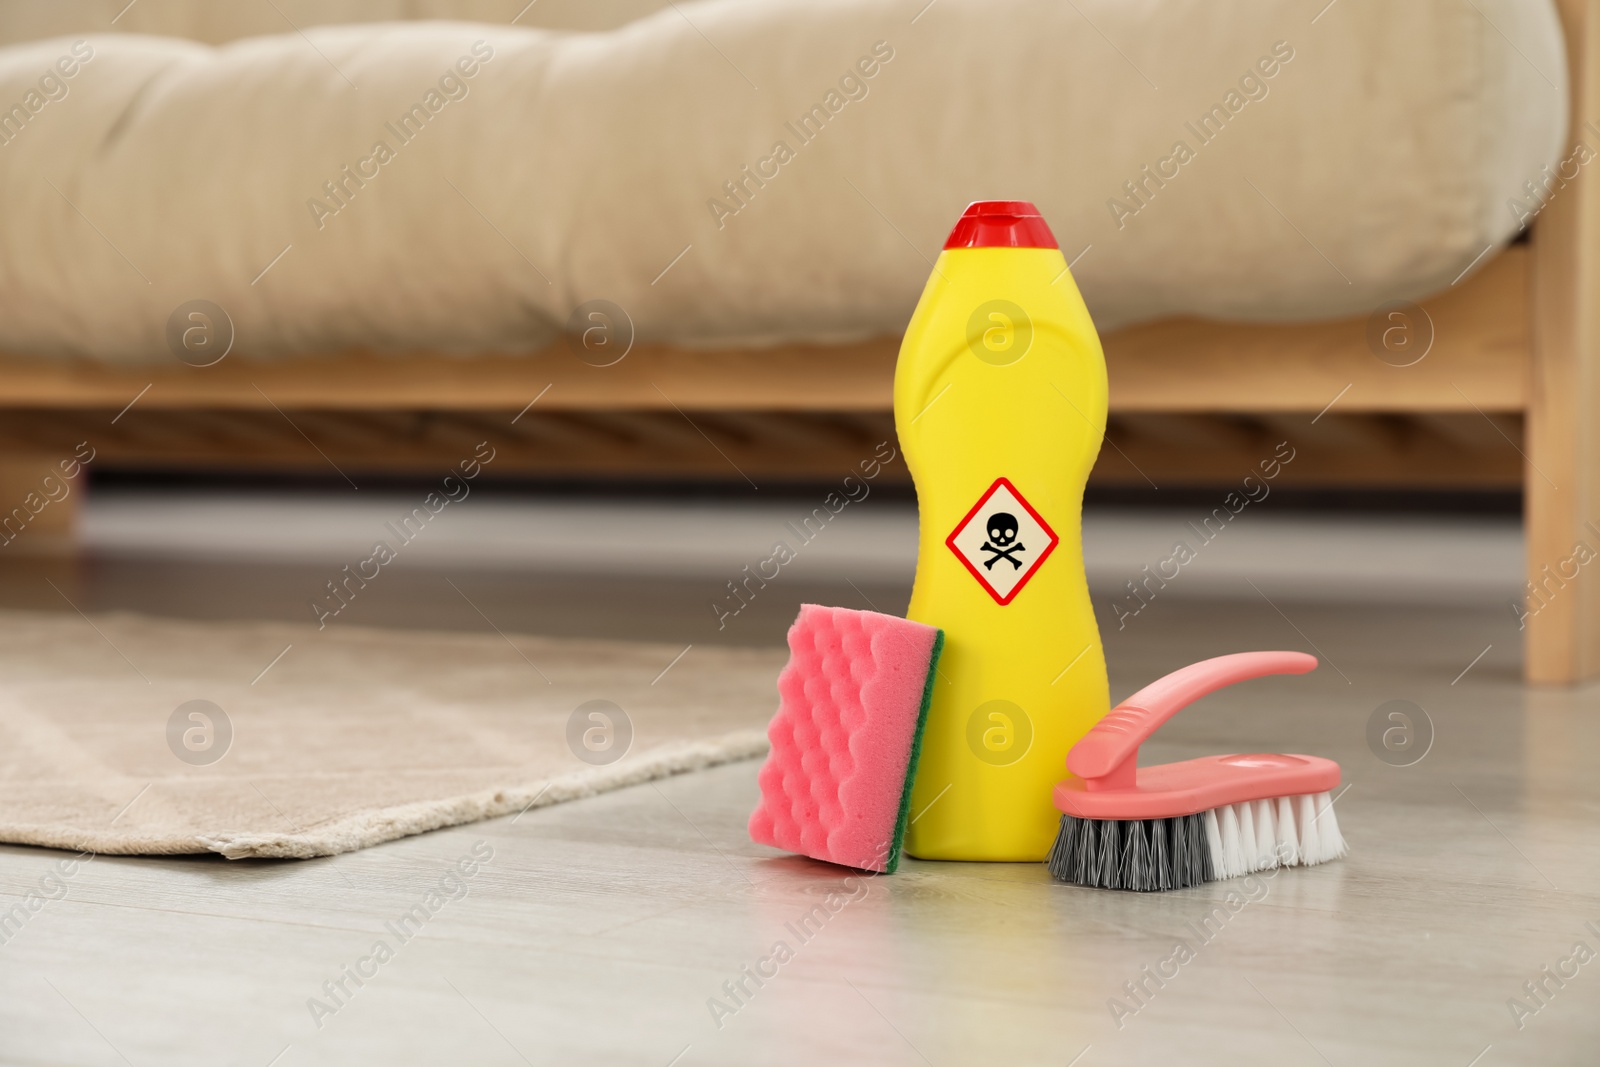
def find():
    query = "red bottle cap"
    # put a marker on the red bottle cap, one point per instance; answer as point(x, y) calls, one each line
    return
point(1001, 224)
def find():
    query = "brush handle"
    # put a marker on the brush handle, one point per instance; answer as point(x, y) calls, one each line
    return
point(1106, 757)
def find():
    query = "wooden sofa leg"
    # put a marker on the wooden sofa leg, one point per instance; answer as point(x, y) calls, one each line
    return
point(1560, 612)
point(1561, 485)
point(38, 506)
point(1561, 643)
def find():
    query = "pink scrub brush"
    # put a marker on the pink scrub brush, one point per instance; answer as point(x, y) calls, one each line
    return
point(1180, 824)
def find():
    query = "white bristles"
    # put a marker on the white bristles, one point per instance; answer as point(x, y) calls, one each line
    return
point(1233, 857)
point(1305, 822)
point(1328, 834)
point(1266, 854)
point(1214, 841)
point(1259, 835)
point(1287, 846)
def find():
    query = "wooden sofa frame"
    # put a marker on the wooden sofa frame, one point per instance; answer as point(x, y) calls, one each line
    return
point(1516, 349)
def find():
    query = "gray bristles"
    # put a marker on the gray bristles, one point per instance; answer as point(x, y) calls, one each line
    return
point(1149, 855)
point(1139, 854)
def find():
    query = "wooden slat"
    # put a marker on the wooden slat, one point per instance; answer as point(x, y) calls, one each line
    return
point(715, 445)
point(855, 377)
point(1453, 450)
point(1479, 357)
point(1449, 449)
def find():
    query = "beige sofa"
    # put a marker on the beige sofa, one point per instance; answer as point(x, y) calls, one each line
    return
point(1239, 299)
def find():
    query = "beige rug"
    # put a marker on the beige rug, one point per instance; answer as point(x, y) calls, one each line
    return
point(342, 738)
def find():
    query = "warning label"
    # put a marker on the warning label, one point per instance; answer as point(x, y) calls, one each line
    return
point(1002, 541)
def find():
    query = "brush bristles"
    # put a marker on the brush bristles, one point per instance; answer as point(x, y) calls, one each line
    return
point(1145, 855)
point(1150, 855)
point(1261, 835)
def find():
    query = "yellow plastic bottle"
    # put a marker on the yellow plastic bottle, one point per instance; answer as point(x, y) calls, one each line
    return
point(1000, 404)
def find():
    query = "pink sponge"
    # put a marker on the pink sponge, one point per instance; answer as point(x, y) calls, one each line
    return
point(845, 740)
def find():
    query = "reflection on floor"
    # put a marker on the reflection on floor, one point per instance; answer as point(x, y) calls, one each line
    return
point(654, 569)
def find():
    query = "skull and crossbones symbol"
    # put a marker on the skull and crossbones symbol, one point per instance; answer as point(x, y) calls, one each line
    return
point(1003, 543)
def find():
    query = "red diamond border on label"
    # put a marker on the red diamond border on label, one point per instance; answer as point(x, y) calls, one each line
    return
point(967, 563)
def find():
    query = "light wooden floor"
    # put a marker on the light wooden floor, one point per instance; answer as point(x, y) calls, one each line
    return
point(600, 929)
